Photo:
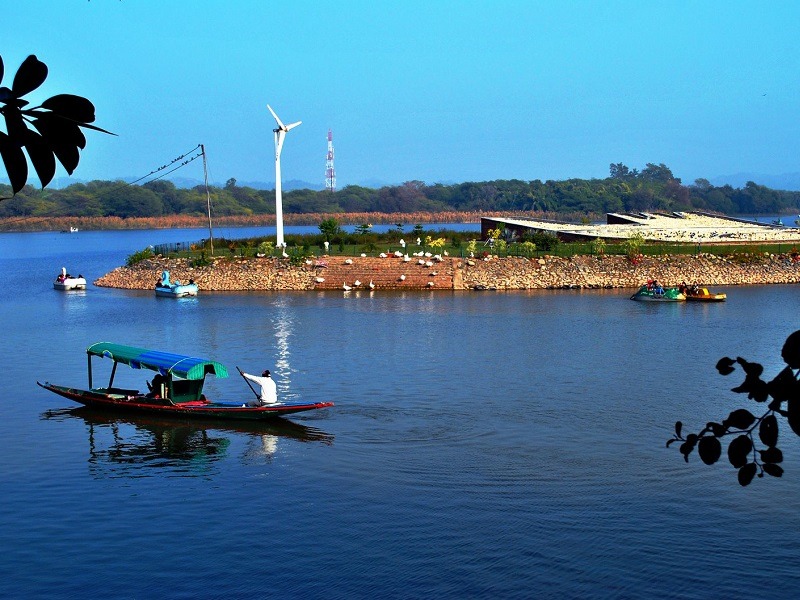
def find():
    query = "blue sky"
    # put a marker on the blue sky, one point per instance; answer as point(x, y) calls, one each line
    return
point(438, 91)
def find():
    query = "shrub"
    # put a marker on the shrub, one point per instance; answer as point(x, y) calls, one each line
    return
point(139, 256)
point(266, 247)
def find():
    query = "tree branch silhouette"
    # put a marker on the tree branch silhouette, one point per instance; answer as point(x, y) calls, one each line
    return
point(48, 132)
point(754, 449)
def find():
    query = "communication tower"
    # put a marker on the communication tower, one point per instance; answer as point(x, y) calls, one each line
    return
point(330, 173)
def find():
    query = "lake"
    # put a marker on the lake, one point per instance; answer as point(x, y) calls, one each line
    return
point(483, 445)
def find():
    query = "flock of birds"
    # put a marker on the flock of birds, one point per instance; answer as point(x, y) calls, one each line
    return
point(426, 259)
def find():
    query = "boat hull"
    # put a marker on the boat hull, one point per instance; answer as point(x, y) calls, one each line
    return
point(703, 295)
point(669, 295)
point(70, 283)
point(177, 291)
point(134, 402)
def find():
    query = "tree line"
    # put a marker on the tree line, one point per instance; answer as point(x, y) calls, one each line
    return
point(653, 188)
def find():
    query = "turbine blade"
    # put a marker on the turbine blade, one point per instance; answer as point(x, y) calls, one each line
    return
point(280, 123)
point(293, 125)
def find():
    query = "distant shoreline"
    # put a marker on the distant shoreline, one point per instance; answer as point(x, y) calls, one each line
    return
point(31, 224)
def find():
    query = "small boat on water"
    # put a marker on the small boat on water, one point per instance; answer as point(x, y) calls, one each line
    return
point(177, 389)
point(701, 294)
point(175, 289)
point(655, 293)
point(66, 282)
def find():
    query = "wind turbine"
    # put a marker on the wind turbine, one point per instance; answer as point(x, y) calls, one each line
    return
point(280, 133)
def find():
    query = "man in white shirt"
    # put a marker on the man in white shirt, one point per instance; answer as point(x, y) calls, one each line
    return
point(269, 392)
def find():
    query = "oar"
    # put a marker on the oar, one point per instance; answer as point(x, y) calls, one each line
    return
point(250, 385)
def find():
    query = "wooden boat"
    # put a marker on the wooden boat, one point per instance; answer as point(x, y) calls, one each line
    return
point(175, 289)
point(178, 389)
point(66, 282)
point(701, 294)
point(648, 293)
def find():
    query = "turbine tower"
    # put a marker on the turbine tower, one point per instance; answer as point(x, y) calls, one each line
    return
point(280, 133)
point(330, 173)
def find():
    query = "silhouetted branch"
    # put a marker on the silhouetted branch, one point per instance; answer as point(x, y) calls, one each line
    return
point(54, 132)
point(744, 452)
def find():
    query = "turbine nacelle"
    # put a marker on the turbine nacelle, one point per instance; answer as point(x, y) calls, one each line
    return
point(281, 126)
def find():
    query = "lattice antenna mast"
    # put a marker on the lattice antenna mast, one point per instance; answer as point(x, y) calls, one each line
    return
point(330, 172)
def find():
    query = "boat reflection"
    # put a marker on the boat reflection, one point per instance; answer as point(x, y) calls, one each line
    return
point(126, 442)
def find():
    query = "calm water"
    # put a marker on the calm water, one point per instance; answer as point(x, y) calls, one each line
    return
point(482, 444)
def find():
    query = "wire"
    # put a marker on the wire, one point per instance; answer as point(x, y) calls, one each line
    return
point(56, 211)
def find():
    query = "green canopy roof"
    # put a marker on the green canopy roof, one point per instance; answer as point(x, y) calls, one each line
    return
point(185, 367)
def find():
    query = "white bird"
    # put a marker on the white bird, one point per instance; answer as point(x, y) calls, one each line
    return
point(356, 283)
point(371, 285)
point(446, 253)
point(403, 243)
point(420, 262)
point(308, 262)
point(438, 258)
point(319, 279)
point(349, 261)
point(434, 273)
point(406, 258)
point(430, 284)
point(382, 255)
point(346, 287)
point(402, 277)
point(284, 254)
point(363, 255)
point(428, 255)
point(429, 263)
point(398, 254)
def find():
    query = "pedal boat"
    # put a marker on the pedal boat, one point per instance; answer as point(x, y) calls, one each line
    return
point(66, 282)
point(703, 295)
point(175, 289)
point(180, 394)
point(649, 294)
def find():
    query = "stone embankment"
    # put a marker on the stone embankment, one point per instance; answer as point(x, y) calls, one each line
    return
point(548, 272)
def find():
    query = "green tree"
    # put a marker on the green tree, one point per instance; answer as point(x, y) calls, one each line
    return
point(330, 229)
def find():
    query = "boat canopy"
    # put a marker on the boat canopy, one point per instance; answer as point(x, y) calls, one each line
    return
point(176, 365)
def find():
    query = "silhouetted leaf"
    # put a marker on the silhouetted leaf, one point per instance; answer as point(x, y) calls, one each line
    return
point(15, 125)
point(31, 74)
point(14, 159)
point(687, 447)
point(793, 414)
point(716, 428)
point(725, 366)
point(739, 419)
point(771, 455)
point(678, 428)
point(791, 350)
point(784, 386)
point(768, 430)
point(746, 474)
point(774, 470)
point(755, 388)
point(64, 139)
point(669, 442)
point(2, 69)
point(738, 451)
point(709, 450)
point(752, 369)
point(41, 157)
point(76, 108)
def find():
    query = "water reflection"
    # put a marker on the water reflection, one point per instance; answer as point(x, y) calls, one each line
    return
point(120, 445)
